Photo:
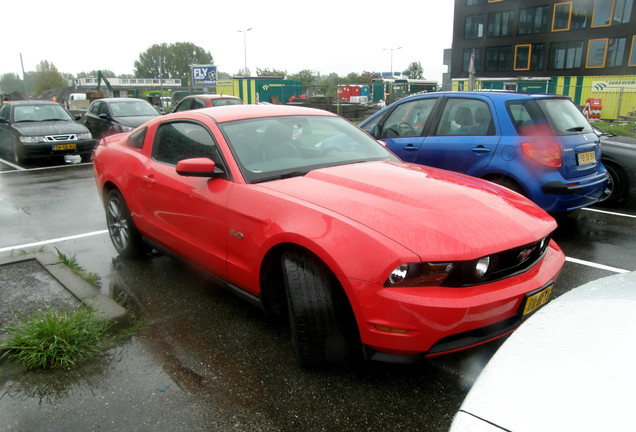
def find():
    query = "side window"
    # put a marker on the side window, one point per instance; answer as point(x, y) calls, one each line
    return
point(466, 117)
point(4, 112)
point(184, 105)
point(197, 103)
point(408, 119)
point(176, 141)
point(95, 108)
point(136, 139)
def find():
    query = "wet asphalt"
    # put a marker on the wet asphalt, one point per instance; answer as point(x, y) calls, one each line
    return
point(204, 360)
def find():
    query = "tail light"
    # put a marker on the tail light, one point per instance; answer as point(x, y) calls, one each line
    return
point(546, 152)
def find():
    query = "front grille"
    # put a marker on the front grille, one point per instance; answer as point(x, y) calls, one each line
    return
point(58, 138)
point(502, 265)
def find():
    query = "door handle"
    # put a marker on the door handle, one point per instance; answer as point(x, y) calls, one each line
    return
point(480, 149)
point(410, 147)
point(149, 178)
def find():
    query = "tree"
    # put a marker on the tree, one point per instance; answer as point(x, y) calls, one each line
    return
point(11, 83)
point(270, 72)
point(415, 70)
point(47, 77)
point(171, 61)
point(305, 76)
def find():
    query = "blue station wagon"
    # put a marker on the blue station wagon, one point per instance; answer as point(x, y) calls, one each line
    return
point(538, 145)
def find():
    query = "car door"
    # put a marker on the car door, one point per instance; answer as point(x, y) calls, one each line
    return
point(186, 215)
point(463, 137)
point(403, 128)
point(97, 119)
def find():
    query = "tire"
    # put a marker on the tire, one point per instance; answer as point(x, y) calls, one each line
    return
point(508, 183)
point(317, 325)
point(616, 188)
point(121, 228)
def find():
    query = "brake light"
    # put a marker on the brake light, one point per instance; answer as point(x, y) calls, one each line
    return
point(545, 152)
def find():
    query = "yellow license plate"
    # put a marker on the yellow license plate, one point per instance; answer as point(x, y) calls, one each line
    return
point(64, 147)
point(537, 300)
point(586, 157)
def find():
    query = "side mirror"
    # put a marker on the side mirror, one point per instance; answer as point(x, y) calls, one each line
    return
point(197, 167)
point(375, 131)
point(103, 116)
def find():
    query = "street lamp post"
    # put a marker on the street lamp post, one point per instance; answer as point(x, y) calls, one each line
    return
point(245, 47)
point(391, 49)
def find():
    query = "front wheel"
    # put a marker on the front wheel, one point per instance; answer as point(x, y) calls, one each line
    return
point(121, 228)
point(317, 319)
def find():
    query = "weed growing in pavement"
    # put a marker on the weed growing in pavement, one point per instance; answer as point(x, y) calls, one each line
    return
point(71, 263)
point(51, 338)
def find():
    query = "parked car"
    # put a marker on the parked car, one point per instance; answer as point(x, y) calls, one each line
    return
point(538, 145)
point(567, 368)
point(206, 100)
point(618, 154)
point(41, 129)
point(116, 115)
point(257, 196)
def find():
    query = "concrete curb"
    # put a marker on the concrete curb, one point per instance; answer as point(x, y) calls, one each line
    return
point(105, 307)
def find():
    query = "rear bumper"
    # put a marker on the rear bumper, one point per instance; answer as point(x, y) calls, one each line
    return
point(564, 196)
point(406, 324)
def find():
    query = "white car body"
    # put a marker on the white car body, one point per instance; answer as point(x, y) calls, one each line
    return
point(570, 367)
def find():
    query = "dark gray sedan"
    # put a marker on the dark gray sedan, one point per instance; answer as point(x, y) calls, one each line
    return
point(109, 116)
point(42, 129)
point(618, 154)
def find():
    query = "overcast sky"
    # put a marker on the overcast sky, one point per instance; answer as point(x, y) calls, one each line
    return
point(322, 36)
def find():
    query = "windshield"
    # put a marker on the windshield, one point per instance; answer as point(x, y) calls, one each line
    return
point(38, 113)
point(278, 147)
point(132, 109)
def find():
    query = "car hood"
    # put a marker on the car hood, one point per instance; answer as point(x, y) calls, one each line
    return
point(134, 121)
point(434, 213)
point(49, 128)
point(570, 367)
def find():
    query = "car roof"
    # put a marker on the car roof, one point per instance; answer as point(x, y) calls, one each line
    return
point(228, 113)
point(497, 95)
point(121, 99)
point(32, 102)
point(211, 96)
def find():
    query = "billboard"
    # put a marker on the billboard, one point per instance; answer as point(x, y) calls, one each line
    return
point(203, 75)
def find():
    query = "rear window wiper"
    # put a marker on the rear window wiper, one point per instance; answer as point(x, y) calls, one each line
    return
point(576, 129)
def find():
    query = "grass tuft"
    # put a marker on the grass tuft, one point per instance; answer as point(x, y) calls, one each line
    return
point(71, 263)
point(51, 339)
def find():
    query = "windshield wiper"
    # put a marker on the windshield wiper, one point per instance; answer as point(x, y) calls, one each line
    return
point(282, 176)
point(54, 119)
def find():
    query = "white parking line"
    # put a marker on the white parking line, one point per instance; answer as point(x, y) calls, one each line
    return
point(609, 212)
point(56, 240)
point(12, 165)
point(596, 265)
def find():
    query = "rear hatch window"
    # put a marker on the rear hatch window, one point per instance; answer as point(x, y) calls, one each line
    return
point(560, 120)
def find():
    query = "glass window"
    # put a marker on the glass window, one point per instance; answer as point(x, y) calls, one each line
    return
point(474, 27)
point(602, 13)
point(176, 141)
point(500, 23)
point(408, 119)
point(596, 52)
point(561, 17)
point(615, 52)
point(632, 54)
point(522, 57)
point(534, 20)
point(532, 116)
point(537, 60)
point(475, 2)
point(566, 55)
point(465, 117)
point(622, 11)
point(136, 139)
point(498, 58)
point(466, 62)
point(580, 15)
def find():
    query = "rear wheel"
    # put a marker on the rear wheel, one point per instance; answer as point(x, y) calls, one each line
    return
point(121, 228)
point(616, 187)
point(508, 183)
point(317, 320)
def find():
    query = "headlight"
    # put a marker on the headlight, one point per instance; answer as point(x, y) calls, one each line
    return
point(84, 136)
point(481, 267)
point(32, 139)
point(123, 128)
point(419, 274)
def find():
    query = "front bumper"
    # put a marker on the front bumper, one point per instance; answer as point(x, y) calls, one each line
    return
point(43, 150)
point(406, 324)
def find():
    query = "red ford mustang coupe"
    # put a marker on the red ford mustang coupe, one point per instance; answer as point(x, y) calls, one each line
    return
point(305, 215)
